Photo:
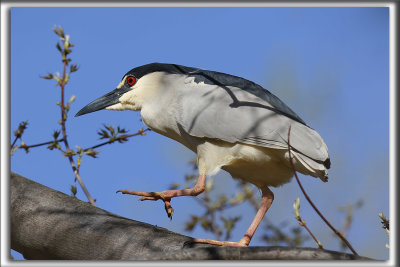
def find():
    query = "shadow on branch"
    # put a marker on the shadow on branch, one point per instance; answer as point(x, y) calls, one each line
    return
point(47, 224)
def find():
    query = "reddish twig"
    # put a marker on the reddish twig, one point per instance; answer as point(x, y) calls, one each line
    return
point(312, 235)
point(303, 223)
point(312, 204)
point(64, 133)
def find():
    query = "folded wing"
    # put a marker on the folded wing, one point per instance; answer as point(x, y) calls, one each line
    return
point(235, 115)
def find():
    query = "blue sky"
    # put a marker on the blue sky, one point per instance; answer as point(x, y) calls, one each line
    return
point(330, 65)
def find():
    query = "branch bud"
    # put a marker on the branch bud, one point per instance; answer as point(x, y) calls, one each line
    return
point(296, 207)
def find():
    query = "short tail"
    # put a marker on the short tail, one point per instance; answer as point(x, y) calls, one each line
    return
point(311, 167)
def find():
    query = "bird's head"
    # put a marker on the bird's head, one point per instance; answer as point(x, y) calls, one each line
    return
point(137, 86)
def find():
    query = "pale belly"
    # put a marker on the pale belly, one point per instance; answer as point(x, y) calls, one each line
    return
point(258, 165)
point(268, 174)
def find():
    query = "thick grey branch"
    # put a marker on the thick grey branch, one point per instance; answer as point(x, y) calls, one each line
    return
point(47, 224)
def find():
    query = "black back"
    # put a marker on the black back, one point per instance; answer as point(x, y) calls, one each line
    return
point(220, 79)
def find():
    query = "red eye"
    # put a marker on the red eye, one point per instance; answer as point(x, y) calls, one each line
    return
point(131, 80)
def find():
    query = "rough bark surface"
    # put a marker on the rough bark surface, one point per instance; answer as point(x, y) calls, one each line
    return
point(47, 224)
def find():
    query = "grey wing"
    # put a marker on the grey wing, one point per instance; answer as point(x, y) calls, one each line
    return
point(234, 115)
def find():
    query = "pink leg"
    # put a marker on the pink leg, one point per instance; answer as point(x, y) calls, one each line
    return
point(168, 194)
point(266, 201)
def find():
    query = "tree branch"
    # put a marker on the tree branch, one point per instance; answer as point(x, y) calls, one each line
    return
point(47, 224)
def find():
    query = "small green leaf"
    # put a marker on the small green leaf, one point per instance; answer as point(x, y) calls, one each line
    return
point(59, 31)
point(56, 134)
point(92, 153)
point(66, 43)
point(51, 146)
point(68, 106)
point(384, 222)
point(79, 149)
point(122, 139)
point(48, 76)
point(69, 153)
point(103, 134)
point(79, 161)
point(121, 130)
point(15, 148)
point(66, 79)
point(56, 30)
point(59, 47)
point(73, 68)
point(57, 78)
point(111, 129)
point(21, 128)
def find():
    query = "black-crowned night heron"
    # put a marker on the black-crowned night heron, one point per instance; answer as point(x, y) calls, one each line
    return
point(229, 122)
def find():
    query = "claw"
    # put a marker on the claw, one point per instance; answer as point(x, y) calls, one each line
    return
point(152, 196)
point(169, 209)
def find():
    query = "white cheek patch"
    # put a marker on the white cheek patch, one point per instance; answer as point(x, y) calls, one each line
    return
point(129, 97)
point(121, 106)
point(126, 101)
point(144, 90)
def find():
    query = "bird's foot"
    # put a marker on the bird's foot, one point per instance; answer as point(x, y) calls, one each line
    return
point(241, 243)
point(153, 196)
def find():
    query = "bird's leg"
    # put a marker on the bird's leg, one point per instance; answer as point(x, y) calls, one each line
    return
point(167, 195)
point(266, 201)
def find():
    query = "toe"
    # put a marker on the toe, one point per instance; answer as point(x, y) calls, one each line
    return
point(148, 198)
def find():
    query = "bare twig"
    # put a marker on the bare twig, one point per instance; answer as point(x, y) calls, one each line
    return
point(296, 207)
point(18, 133)
point(13, 143)
point(312, 235)
point(41, 144)
point(312, 204)
point(140, 132)
point(64, 134)
point(385, 225)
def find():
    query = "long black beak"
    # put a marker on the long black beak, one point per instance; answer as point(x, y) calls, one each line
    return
point(105, 101)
